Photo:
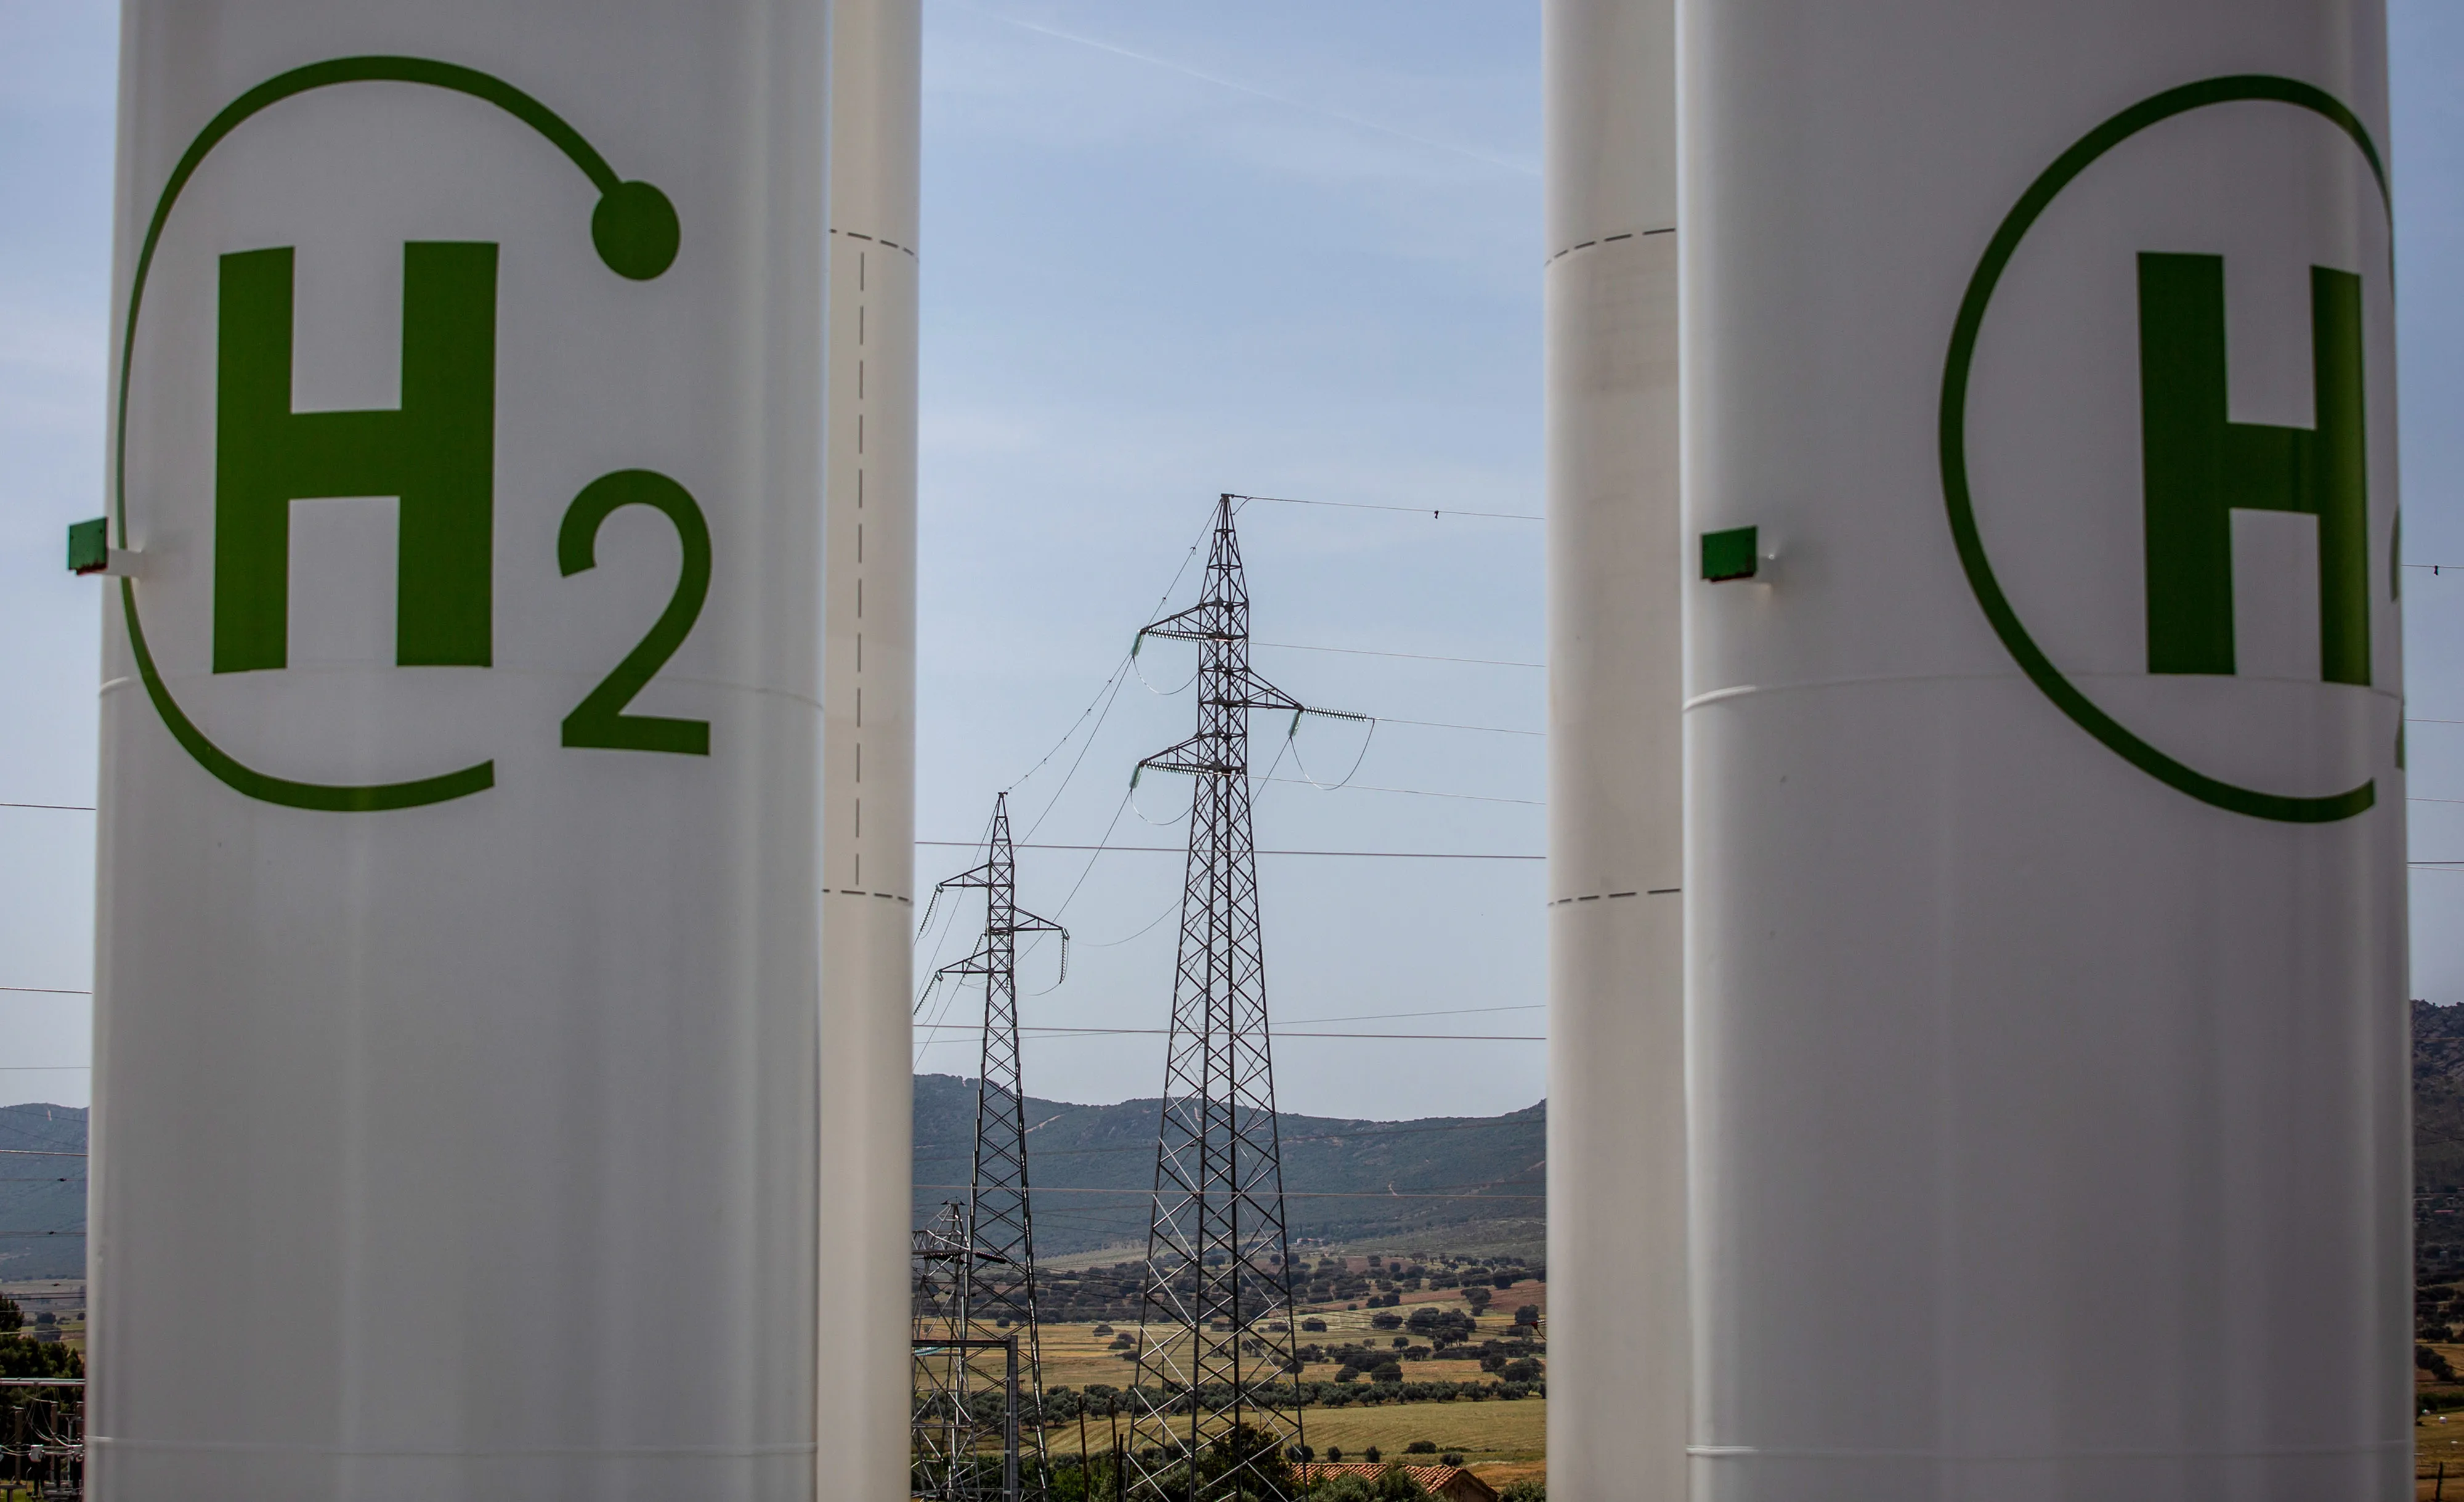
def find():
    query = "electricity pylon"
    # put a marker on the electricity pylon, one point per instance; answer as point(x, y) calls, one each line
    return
point(996, 1280)
point(944, 1430)
point(1216, 1404)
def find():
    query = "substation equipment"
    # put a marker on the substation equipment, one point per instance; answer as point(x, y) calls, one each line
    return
point(455, 1101)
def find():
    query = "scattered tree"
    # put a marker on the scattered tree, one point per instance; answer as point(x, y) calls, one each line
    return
point(1421, 1447)
point(1477, 1299)
point(1526, 1315)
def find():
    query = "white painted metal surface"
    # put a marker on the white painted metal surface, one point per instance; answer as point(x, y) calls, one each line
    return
point(455, 1097)
point(869, 762)
point(1618, 1350)
point(2046, 953)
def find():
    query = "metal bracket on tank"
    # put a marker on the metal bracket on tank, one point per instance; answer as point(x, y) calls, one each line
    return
point(90, 552)
point(1739, 553)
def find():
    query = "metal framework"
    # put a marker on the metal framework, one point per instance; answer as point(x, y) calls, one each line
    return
point(42, 1437)
point(984, 1302)
point(944, 1434)
point(1215, 1405)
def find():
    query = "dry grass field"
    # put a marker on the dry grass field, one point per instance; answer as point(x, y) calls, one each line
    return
point(1515, 1433)
point(1504, 1440)
point(1074, 1354)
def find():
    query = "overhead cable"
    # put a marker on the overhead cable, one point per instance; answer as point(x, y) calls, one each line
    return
point(1367, 505)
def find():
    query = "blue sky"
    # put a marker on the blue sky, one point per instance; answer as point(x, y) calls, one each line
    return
point(1168, 250)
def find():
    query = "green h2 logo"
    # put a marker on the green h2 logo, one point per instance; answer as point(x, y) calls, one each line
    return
point(2197, 467)
point(435, 453)
point(2200, 468)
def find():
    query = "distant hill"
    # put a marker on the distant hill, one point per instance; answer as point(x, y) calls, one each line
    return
point(42, 1197)
point(1463, 1185)
point(1456, 1183)
point(2437, 1141)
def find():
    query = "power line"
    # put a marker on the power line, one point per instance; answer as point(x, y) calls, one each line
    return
point(1165, 1033)
point(1410, 792)
point(1364, 505)
point(59, 808)
point(1175, 850)
point(1485, 1124)
point(1497, 730)
point(1415, 656)
point(1289, 1194)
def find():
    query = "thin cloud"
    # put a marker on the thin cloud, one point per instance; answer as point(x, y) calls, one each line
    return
point(1358, 121)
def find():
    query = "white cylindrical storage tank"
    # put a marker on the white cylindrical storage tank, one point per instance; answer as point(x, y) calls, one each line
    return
point(455, 1010)
point(869, 759)
point(1617, 1351)
point(2045, 803)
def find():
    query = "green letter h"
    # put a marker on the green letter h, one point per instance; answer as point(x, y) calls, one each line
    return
point(2199, 468)
point(436, 453)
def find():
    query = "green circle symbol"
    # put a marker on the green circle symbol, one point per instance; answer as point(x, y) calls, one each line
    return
point(634, 230)
point(2039, 667)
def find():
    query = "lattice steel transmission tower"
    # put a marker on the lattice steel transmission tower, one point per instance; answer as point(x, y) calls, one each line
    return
point(1215, 1405)
point(944, 1433)
point(994, 1293)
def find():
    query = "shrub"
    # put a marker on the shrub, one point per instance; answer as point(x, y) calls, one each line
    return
point(1506, 1280)
point(1386, 1321)
point(2433, 1362)
point(1315, 1327)
point(1450, 1458)
point(1333, 1454)
point(1387, 1371)
point(1527, 1315)
point(1525, 1370)
point(1369, 1455)
point(1525, 1492)
point(1421, 1447)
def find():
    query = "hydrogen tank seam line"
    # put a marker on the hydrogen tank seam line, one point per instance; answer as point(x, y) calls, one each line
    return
point(1649, 892)
point(877, 240)
point(538, 1453)
point(573, 674)
point(1607, 239)
point(1742, 690)
point(2004, 1457)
